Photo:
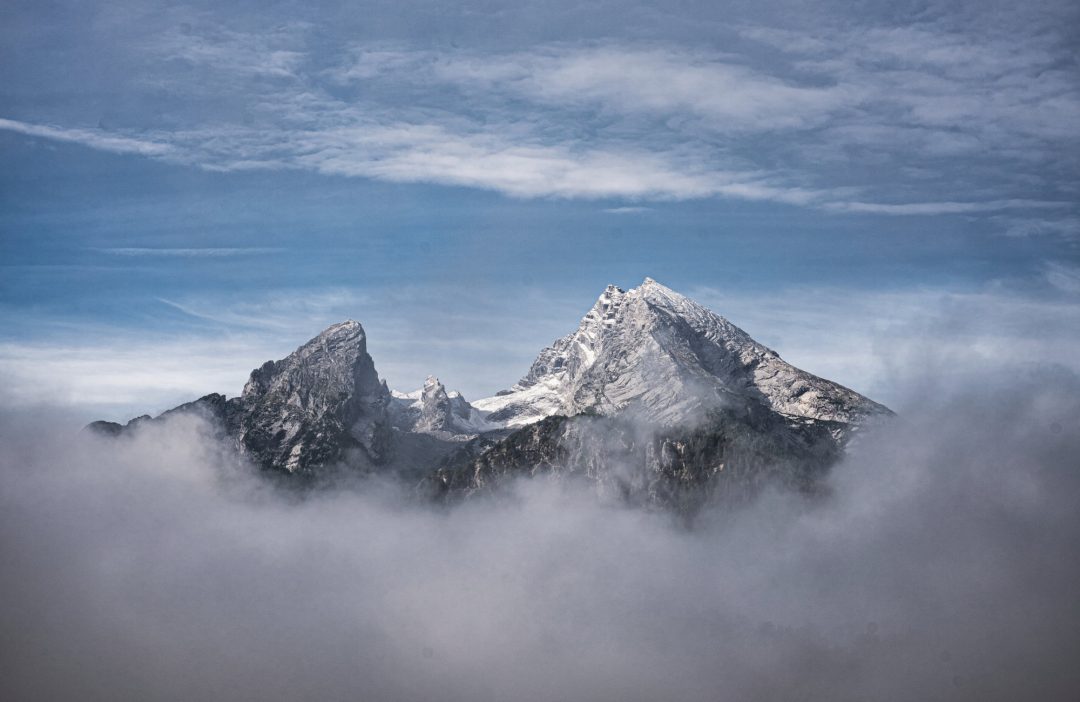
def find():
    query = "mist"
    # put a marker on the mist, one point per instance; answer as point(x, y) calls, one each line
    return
point(941, 564)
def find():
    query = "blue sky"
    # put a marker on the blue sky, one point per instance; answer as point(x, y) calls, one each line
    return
point(190, 189)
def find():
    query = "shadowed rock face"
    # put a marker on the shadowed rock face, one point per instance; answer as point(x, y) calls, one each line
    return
point(311, 407)
point(728, 458)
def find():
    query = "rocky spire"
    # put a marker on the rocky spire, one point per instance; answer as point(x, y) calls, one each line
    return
point(320, 401)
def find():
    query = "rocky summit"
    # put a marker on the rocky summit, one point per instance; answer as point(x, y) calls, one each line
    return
point(671, 359)
point(654, 399)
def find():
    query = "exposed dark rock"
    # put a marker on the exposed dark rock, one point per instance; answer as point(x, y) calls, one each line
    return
point(728, 457)
point(309, 408)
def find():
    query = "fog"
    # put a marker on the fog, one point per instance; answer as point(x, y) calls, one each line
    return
point(941, 565)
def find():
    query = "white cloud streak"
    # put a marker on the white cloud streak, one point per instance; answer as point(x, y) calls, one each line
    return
point(935, 208)
point(203, 252)
point(93, 138)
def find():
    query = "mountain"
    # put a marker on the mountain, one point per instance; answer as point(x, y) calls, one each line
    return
point(321, 404)
point(434, 410)
point(670, 359)
point(311, 407)
point(653, 399)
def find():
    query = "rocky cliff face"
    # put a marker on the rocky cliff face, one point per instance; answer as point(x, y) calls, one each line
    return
point(318, 403)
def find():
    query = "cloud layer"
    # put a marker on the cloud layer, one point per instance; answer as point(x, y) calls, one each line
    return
point(941, 567)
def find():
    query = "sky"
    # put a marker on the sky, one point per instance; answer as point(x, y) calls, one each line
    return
point(190, 189)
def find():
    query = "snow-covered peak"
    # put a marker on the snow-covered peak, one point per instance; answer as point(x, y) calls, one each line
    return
point(651, 284)
point(434, 410)
point(658, 350)
point(654, 291)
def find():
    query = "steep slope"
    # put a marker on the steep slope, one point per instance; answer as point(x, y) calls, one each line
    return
point(658, 353)
point(309, 408)
point(321, 404)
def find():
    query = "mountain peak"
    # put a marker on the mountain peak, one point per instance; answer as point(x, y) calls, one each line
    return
point(658, 292)
point(349, 329)
point(325, 396)
point(436, 411)
point(655, 349)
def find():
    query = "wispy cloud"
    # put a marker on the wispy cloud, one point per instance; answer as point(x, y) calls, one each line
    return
point(663, 80)
point(865, 119)
point(205, 252)
point(1063, 276)
point(1064, 227)
point(934, 208)
point(277, 53)
point(94, 138)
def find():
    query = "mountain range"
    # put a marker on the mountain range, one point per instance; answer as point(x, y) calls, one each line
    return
point(652, 399)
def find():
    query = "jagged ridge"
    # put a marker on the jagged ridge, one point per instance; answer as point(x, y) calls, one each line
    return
point(654, 398)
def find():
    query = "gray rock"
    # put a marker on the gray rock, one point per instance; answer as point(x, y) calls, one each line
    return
point(434, 411)
point(312, 407)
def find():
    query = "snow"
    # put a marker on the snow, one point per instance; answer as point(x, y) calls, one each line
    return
point(652, 347)
point(649, 347)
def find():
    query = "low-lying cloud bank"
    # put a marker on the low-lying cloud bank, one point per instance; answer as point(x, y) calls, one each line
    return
point(942, 566)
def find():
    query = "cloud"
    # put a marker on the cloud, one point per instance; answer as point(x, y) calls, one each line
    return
point(277, 53)
point(665, 80)
point(203, 252)
point(940, 566)
point(95, 139)
point(478, 344)
point(1066, 228)
point(934, 208)
point(872, 119)
point(1064, 277)
point(129, 376)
